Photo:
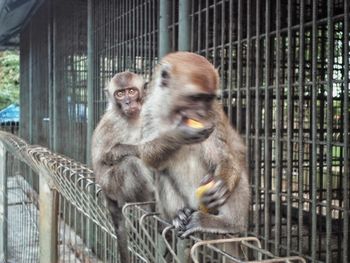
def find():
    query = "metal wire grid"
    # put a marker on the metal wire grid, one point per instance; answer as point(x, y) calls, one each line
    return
point(285, 92)
point(125, 37)
point(285, 87)
point(22, 203)
point(70, 71)
point(85, 230)
point(154, 240)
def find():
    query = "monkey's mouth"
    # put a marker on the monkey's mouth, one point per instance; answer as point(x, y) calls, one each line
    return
point(132, 111)
point(196, 119)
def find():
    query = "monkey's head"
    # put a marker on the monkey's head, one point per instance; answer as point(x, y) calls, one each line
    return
point(125, 92)
point(189, 84)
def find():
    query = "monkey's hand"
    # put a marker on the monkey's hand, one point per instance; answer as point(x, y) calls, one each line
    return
point(182, 218)
point(188, 221)
point(119, 152)
point(185, 134)
point(216, 195)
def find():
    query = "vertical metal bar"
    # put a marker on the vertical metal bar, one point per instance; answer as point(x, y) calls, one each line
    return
point(30, 87)
point(289, 128)
point(206, 26)
point(222, 51)
point(267, 119)
point(199, 25)
point(215, 33)
point(184, 22)
point(279, 108)
point(90, 79)
point(55, 102)
point(248, 77)
point(314, 133)
point(330, 60)
point(3, 203)
point(301, 126)
point(48, 201)
point(164, 43)
point(346, 174)
point(50, 71)
point(239, 68)
point(230, 28)
point(257, 155)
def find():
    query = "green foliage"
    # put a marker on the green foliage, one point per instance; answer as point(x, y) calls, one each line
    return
point(9, 78)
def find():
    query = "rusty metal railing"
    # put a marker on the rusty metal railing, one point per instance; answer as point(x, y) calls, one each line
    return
point(74, 224)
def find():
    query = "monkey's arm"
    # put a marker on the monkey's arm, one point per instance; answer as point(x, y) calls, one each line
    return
point(155, 153)
point(118, 152)
point(225, 154)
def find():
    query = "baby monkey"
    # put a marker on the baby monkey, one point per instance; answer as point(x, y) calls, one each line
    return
point(123, 178)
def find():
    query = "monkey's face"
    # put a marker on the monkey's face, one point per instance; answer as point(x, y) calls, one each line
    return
point(128, 101)
point(191, 83)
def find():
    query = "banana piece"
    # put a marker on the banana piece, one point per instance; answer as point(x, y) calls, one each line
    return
point(199, 193)
point(194, 124)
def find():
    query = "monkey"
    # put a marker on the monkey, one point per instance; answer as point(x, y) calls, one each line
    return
point(184, 87)
point(122, 178)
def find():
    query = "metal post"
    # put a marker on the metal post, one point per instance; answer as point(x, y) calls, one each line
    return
point(3, 204)
point(184, 22)
point(50, 73)
point(164, 46)
point(30, 86)
point(90, 80)
point(48, 206)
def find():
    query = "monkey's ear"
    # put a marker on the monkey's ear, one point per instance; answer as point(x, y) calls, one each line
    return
point(164, 75)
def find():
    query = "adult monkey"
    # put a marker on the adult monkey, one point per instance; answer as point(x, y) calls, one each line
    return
point(122, 178)
point(183, 90)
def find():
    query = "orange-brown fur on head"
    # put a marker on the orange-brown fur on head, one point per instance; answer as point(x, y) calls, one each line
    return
point(187, 67)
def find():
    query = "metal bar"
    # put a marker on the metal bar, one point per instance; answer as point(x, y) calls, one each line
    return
point(346, 174)
point(267, 120)
point(301, 126)
point(3, 203)
point(164, 43)
point(184, 23)
point(239, 67)
point(90, 79)
point(222, 50)
point(278, 145)
point(257, 144)
point(248, 77)
point(50, 71)
point(230, 28)
point(330, 59)
point(48, 200)
point(314, 133)
point(30, 86)
point(289, 129)
point(207, 31)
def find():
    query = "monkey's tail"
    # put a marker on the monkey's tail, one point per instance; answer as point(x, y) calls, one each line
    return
point(122, 236)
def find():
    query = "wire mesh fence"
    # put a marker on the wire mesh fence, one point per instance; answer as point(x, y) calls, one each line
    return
point(70, 210)
point(284, 70)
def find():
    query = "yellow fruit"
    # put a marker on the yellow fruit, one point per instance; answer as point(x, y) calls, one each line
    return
point(199, 193)
point(194, 124)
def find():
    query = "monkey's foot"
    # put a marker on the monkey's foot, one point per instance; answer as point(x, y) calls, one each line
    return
point(216, 195)
point(190, 224)
point(182, 219)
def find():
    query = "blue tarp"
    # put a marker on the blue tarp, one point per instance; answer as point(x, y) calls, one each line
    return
point(10, 114)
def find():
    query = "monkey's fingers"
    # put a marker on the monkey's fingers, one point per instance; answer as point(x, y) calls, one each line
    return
point(182, 218)
point(216, 196)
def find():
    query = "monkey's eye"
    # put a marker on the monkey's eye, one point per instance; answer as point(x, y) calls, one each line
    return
point(120, 94)
point(131, 91)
